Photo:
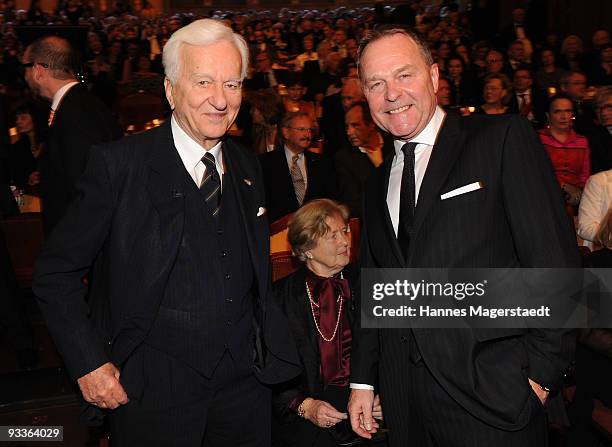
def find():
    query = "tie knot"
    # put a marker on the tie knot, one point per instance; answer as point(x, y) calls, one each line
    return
point(408, 148)
point(295, 158)
point(209, 160)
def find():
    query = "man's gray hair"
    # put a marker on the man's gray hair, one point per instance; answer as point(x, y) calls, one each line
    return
point(603, 94)
point(201, 32)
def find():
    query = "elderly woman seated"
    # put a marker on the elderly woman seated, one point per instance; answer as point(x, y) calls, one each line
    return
point(319, 301)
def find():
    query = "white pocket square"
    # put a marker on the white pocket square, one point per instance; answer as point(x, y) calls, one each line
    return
point(462, 190)
point(261, 211)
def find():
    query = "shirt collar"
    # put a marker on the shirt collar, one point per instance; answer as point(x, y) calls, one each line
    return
point(57, 98)
point(290, 154)
point(427, 136)
point(190, 150)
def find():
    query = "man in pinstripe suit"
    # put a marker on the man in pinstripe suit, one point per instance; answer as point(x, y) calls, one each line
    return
point(452, 197)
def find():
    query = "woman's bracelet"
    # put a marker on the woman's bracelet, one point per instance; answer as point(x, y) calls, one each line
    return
point(301, 410)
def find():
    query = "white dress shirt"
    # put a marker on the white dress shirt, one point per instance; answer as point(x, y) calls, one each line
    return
point(422, 153)
point(425, 142)
point(57, 98)
point(191, 153)
point(301, 161)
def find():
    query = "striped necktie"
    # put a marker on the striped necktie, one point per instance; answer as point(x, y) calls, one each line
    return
point(299, 185)
point(211, 185)
point(407, 199)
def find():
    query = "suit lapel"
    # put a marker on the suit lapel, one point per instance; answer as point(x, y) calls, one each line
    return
point(165, 186)
point(310, 161)
point(382, 203)
point(282, 168)
point(257, 239)
point(303, 315)
point(443, 157)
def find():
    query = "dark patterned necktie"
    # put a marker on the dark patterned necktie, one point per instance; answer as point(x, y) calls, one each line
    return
point(210, 189)
point(407, 199)
point(299, 185)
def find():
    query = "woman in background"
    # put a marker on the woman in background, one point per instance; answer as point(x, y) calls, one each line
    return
point(496, 93)
point(569, 152)
point(24, 153)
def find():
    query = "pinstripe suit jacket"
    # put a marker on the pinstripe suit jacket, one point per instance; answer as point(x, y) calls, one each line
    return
point(516, 220)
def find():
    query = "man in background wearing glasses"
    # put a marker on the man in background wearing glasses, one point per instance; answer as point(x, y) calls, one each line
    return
point(294, 175)
point(77, 120)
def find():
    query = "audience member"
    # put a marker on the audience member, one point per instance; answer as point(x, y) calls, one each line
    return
point(574, 85)
point(595, 205)
point(548, 75)
point(293, 175)
point(572, 53)
point(266, 110)
point(496, 93)
point(24, 153)
point(77, 121)
point(527, 101)
point(354, 164)
point(600, 135)
point(334, 108)
point(569, 151)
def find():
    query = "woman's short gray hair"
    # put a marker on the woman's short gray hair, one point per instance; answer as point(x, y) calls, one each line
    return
point(308, 224)
point(201, 32)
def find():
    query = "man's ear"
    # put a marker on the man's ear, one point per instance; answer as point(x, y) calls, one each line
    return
point(435, 76)
point(38, 72)
point(285, 132)
point(168, 88)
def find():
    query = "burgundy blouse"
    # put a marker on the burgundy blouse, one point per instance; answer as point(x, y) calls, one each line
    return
point(335, 354)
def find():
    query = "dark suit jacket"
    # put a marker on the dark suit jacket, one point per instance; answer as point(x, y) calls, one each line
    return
point(81, 121)
point(128, 221)
point(332, 125)
point(353, 168)
point(539, 101)
point(290, 296)
point(516, 220)
point(280, 195)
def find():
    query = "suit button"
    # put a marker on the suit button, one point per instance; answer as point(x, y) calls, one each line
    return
point(404, 339)
point(228, 300)
point(223, 253)
point(228, 276)
point(220, 232)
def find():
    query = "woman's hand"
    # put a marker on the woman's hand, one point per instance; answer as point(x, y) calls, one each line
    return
point(377, 408)
point(321, 413)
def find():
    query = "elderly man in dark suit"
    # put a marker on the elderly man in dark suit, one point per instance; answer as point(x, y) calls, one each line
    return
point(465, 387)
point(294, 175)
point(173, 222)
point(77, 121)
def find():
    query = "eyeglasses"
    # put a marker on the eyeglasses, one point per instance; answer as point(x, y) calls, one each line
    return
point(31, 64)
point(301, 129)
point(606, 108)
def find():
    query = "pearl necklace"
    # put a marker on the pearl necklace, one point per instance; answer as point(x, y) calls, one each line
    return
point(313, 305)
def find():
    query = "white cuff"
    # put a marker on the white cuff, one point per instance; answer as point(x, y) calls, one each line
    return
point(361, 386)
